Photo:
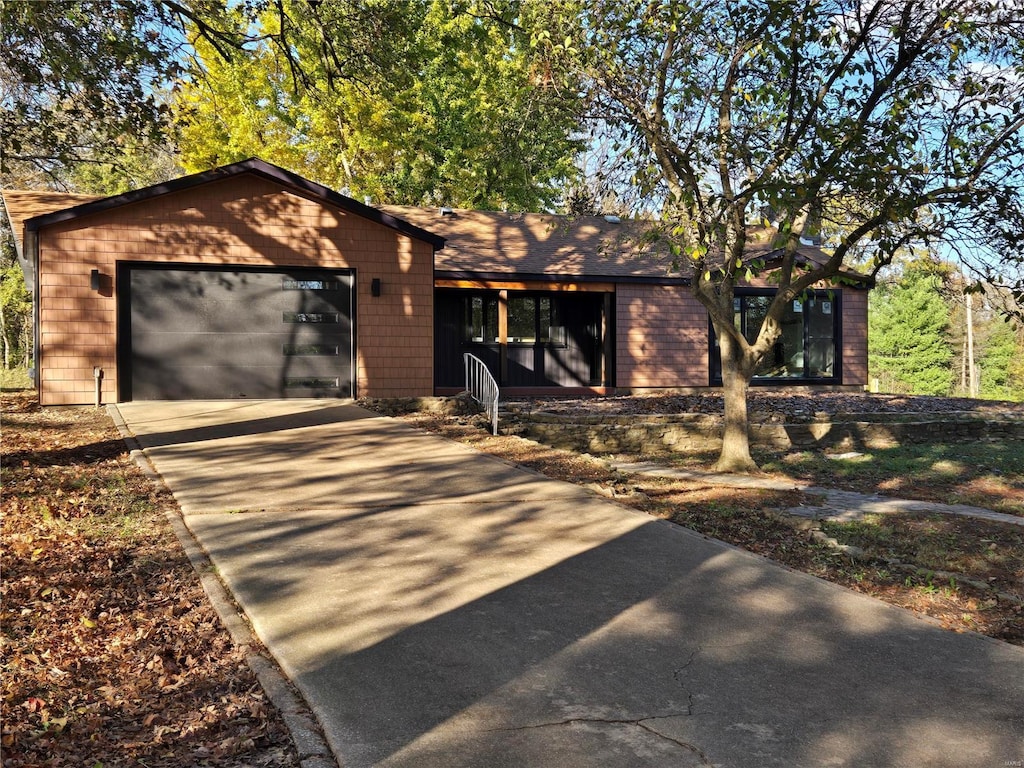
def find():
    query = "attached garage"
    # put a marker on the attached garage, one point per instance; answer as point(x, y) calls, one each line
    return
point(207, 333)
point(246, 281)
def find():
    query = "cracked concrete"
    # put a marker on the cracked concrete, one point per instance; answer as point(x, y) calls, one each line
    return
point(641, 723)
point(428, 601)
point(677, 675)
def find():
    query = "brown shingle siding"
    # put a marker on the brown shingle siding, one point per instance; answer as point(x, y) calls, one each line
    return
point(256, 217)
point(244, 221)
point(661, 337)
point(855, 337)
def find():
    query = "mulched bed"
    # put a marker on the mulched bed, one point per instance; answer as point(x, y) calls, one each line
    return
point(763, 406)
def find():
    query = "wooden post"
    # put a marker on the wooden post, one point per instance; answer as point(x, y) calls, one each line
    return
point(972, 373)
point(502, 337)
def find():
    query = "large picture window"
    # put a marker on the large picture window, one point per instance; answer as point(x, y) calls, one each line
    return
point(534, 318)
point(807, 348)
point(525, 338)
point(531, 319)
point(481, 319)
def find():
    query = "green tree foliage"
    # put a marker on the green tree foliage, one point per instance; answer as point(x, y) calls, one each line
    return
point(137, 166)
point(402, 101)
point(908, 345)
point(81, 83)
point(999, 345)
point(986, 331)
point(999, 380)
point(15, 306)
point(899, 121)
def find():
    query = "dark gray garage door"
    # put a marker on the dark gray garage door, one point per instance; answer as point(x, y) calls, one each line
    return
point(219, 334)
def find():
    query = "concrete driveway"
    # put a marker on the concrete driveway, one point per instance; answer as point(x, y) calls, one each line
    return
point(439, 607)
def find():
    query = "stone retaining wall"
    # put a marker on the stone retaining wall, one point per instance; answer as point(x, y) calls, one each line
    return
point(652, 435)
point(458, 405)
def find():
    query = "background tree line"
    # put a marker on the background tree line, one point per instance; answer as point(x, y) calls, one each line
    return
point(931, 333)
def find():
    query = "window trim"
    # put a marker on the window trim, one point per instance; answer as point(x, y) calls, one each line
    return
point(834, 295)
point(501, 308)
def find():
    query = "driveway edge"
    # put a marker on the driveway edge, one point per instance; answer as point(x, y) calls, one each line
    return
point(305, 729)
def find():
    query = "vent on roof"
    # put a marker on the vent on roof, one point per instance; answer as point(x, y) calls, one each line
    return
point(446, 211)
point(612, 219)
point(367, 200)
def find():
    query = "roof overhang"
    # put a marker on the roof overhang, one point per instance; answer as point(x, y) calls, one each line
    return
point(553, 279)
point(252, 166)
point(22, 205)
point(814, 257)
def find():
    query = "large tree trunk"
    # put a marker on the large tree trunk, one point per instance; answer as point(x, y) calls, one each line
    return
point(735, 456)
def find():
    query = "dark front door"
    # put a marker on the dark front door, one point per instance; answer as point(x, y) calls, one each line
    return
point(197, 333)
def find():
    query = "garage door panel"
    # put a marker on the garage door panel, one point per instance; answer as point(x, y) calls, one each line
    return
point(240, 318)
point(230, 305)
point(199, 333)
point(162, 295)
point(222, 382)
point(190, 349)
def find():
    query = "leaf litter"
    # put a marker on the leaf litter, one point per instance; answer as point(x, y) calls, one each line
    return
point(111, 653)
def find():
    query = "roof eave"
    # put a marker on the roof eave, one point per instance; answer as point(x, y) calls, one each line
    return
point(773, 260)
point(548, 277)
point(253, 166)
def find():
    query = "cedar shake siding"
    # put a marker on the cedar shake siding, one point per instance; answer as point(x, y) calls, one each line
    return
point(244, 221)
point(662, 337)
point(265, 279)
point(855, 337)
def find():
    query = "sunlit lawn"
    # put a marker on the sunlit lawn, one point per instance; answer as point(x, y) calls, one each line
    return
point(12, 379)
point(984, 474)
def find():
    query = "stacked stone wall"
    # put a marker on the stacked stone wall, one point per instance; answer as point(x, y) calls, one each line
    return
point(653, 435)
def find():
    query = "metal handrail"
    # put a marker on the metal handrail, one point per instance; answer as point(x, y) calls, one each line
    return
point(482, 387)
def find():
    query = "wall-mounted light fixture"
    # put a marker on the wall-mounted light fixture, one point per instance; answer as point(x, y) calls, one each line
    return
point(375, 287)
point(95, 280)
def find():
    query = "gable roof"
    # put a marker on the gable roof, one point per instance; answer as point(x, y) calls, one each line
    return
point(476, 244)
point(253, 166)
point(23, 205)
point(491, 245)
point(488, 243)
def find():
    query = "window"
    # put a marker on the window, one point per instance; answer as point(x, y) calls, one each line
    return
point(522, 319)
point(482, 319)
point(312, 382)
point(311, 317)
point(309, 285)
point(806, 349)
point(294, 350)
point(552, 330)
point(531, 319)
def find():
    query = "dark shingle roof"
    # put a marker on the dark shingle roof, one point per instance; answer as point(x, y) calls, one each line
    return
point(471, 243)
point(493, 244)
point(485, 242)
